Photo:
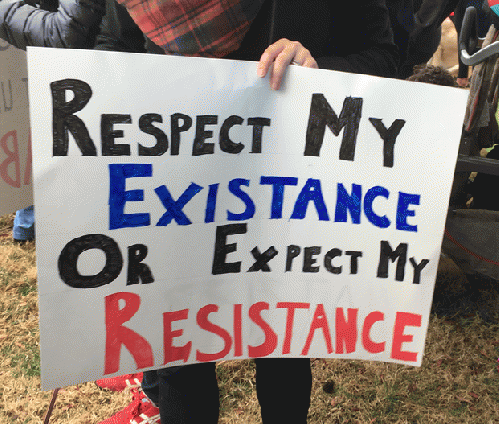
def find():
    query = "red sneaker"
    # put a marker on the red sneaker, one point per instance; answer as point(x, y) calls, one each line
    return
point(120, 383)
point(140, 411)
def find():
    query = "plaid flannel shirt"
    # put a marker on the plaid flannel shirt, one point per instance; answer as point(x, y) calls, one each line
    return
point(210, 28)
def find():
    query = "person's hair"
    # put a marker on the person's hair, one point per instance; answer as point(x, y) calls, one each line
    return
point(433, 75)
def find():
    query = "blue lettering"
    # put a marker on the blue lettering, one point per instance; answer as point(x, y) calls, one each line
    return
point(277, 184)
point(209, 215)
point(311, 192)
point(345, 202)
point(406, 199)
point(235, 189)
point(372, 193)
point(174, 208)
point(118, 196)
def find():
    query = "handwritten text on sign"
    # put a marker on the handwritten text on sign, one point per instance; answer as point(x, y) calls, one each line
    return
point(206, 217)
point(15, 139)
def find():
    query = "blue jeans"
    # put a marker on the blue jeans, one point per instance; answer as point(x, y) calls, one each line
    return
point(24, 224)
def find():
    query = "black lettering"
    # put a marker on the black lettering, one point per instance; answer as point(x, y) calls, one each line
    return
point(322, 114)
point(109, 134)
point(258, 124)
point(399, 255)
point(68, 261)
point(262, 259)
point(145, 125)
point(309, 260)
point(199, 147)
point(176, 130)
point(64, 120)
point(389, 137)
point(226, 144)
point(328, 261)
point(417, 269)
point(136, 269)
point(293, 252)
point(354, 262)
point(222, 249)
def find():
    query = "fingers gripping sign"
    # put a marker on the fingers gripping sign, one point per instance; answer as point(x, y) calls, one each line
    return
point(279, 55)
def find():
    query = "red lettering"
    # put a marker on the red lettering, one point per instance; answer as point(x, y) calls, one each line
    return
point(369, 345)
point(238, 338)
point(319, 321)
point(27, 168)
point(270, 342)
point(403, 319)
point(174, 353)
point(117, 334)
point(290, 317)
point(346, 332)
point(205, 324)
point(12, 157)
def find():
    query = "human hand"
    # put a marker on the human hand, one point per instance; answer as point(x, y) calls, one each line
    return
point(462, 82)
point(281, 54)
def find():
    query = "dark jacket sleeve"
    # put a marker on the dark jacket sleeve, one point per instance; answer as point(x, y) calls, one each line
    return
point(119, 32)
point(363, 40)
point(75, 24)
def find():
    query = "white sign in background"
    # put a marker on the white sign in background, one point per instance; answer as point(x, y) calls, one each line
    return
point(319, 292)
point(16, 190)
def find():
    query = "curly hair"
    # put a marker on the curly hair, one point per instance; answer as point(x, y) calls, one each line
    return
point(433, 75)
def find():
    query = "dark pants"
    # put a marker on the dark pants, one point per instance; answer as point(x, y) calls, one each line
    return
point(189, 394)
point(283, 388)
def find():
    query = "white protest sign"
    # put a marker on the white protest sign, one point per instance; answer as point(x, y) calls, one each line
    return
point(186, 212)
point(16, 190)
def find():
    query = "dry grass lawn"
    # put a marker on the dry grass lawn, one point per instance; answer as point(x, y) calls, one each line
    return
point(457, 383)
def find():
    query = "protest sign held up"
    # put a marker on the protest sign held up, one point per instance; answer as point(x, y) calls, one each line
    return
point(187, 213)
point(16, 190)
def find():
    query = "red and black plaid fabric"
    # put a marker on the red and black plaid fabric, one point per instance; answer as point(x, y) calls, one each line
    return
point(212, 28)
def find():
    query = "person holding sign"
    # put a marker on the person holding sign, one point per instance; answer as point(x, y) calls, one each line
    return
point(352, 37)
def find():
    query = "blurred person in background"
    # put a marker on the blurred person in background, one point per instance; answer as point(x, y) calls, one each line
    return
point(70, 24)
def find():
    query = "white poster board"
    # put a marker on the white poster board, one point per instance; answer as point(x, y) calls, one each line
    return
point(16, 191)
point(186, 212)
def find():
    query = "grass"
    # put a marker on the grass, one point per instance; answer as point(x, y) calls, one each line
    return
point(458, 381)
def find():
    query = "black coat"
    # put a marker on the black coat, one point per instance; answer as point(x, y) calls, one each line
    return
point(74, 24)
